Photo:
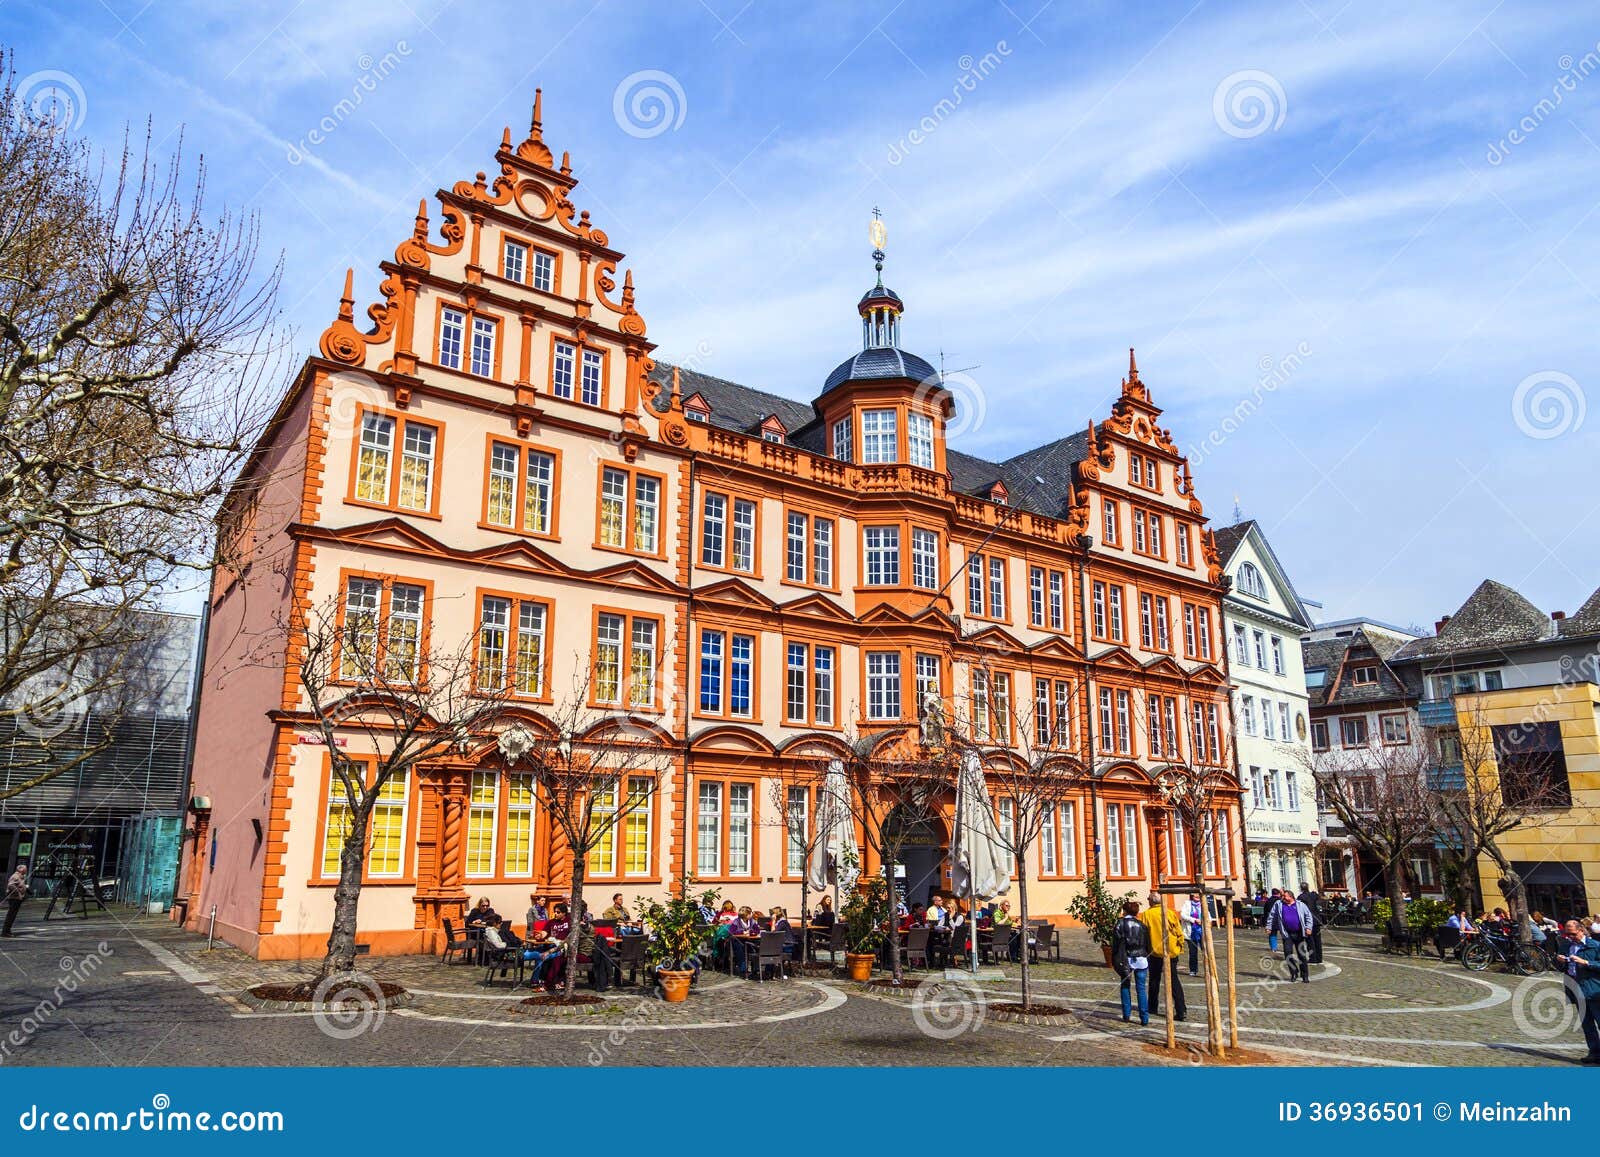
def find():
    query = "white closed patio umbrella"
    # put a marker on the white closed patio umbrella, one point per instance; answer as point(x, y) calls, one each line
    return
point(980, 857)
point(831, 857)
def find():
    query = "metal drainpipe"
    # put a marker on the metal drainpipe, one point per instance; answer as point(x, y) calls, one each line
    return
point(194, 732)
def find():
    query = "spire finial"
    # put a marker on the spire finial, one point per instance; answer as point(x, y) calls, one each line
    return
point(1133, 367)
point(878, 235)
point(347, 303)
point(677, 391)
point(538, 113)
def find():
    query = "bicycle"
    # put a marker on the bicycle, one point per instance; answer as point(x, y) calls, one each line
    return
point(1487, 948)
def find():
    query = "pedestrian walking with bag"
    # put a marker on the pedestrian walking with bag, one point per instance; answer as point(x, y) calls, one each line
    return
point(1293, 921)
point(1580, 959)
point(1313, 903)
point(16, 893)
point(1130, 956)
point(1193, 917)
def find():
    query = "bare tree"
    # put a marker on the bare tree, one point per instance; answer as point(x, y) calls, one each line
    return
point(384, 702)
point(899, 789)
point(1504, 785)
point(134, 360)
point(800, 830)
point(1035, 760)
point(1382, 798)
point(593, 768)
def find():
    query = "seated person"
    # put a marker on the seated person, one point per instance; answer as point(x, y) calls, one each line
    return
point(508, 934)
point(1002, 915)
point(707, 913)
point(594, 949)
point(742, 924)
point(618, 911)
point(936, 917)
point(495, 945)
point(780, 923)
point(537, 952)
point(538, 911)
point(824, 916)
point(482, 914)
point(728, 914)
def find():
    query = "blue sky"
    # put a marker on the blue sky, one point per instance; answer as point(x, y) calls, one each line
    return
point(1355, 244)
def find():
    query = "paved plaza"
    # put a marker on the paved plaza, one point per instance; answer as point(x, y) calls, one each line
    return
point(117, 990)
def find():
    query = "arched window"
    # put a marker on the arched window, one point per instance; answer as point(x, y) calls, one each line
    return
point(1251, 582)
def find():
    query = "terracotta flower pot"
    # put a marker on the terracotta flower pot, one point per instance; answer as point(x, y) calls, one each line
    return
point(675, 985)
point(1105, 950)
point(859, 964)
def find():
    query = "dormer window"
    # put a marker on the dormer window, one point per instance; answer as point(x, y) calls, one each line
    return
point(1363, 676)
point(772, 430)
point(1251, 582)
point(998, 494)
point(696, 408)
point(772, 436)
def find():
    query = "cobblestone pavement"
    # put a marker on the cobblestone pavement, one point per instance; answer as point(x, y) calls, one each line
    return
point(133, 990)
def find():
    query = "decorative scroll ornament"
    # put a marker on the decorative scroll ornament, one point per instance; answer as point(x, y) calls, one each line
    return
point(1186, 488)
point(341, 341)
point(1208, 547)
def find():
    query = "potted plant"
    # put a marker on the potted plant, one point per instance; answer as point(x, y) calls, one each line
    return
point(863, 916)
point(678, 934)
point(1098, 911)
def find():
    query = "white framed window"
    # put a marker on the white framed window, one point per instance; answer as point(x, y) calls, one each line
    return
point(708, 831)
point(592, 384)
point(796, 679)
point(403, 646)
point(1291, 791)
point(1036, 596)
point(519, 825)
point(514, 261)
point(1247, 714)
point(1241, 646)
point(1181, 533)
point(713, 530)
point(483, 816)
point(1124, 721)
point(1130, 839)
point(822, 552)
point(1115, 611)
point(563, 369)
point(975, 584)
point(741, 674)
point(822, 686)
point(386, 854)
point(1251, 582)
point(919, 440)
point(416, 467)
point(883, 555)
point(879, 436)
point(1067, 829)
point(1260, 640)
point(796, 829)
point(1113, 840)
point(794, 547)
point(1283, 722)
point(1163, 626)
point(1057, 603)
point(741, 801)
point(452, 336)
point(744, 535)
point(924, 559)
point(544, 271)
point(613, 506)
point(1277, 655)
point(883, 685)
point(997, 588)
point(712, 644)
point(1258, 793)
point(1108, 740)
point(483, 331)
point(842, 449)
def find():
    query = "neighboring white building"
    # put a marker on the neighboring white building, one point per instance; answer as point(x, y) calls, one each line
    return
point(1262, 621)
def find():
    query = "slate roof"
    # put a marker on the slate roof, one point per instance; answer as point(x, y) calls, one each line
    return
point(1338, 656)
point(1229, 537)
point(743, 408)
point(1493, 617)
point(880, 363)
point(1586, 621)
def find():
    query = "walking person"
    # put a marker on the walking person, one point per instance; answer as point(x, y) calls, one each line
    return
point(1168, 949)
point(1293, 921)
point(1130, 956)
point(1581, 959)
point(1266, 919)
point(1194, 919)
point(16, 893)
point(1313, 902)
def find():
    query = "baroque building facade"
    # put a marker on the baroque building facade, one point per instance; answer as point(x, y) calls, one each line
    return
point(1263, 619)
point(757, 584)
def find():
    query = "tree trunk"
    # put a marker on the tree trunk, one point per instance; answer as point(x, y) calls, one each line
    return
point(1213, 994)
point(805, 918)
point(341, 956)
point(1396, 878)
point(1022, 906)
point(893, 921)
point(1515, 892)
point(580, 863)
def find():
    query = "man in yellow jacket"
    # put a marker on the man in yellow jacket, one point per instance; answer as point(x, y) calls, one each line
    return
point(1168, 947)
